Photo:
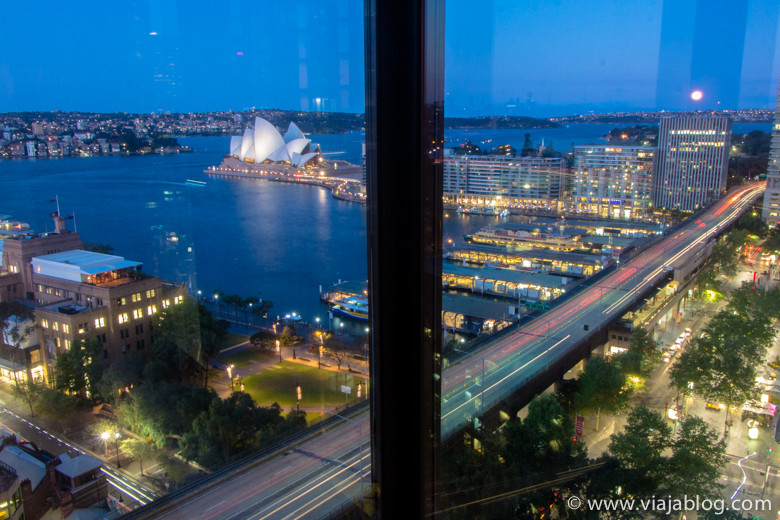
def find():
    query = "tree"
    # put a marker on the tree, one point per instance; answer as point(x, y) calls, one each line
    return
point(707, 286)
point(192, 329)
point(289, 337)
point(642, 354)
point(772, 243)
point(697, 460)
point(602, 388)
point(639, 449)
point(261, 308)
point(228, 427)
point(58, 406)
point(654, 461)
point(163, 409)
point(331, 346)
point(17, 323)
point(753, 224)
point(544, 441)
point(235, 301)
point(721, 365)
point(125, 372)
point(137, 449)
point(80, 369)
point(30, 391)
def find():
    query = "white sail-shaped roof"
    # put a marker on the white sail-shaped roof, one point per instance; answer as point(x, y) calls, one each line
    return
point(268, 140)
point(266, 143)
point(247, 146)
point(235, 145)
point(299, 160)
point(293, 133)
point(280, 154)
point(297, 146)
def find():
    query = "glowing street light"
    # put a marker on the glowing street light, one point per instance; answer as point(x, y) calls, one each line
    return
point(299, 395)
point(279, 350)
point(105, 436)
point(230, 374)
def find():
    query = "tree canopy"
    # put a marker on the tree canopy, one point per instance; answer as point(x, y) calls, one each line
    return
point(602, 389)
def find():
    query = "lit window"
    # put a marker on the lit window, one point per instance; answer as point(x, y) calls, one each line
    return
point(45, 324)
point(123, 318)
point(166, 303)
point(138, 313)
point(152, 309)
point(55, 326)
point(65, 328)
point(99, 322)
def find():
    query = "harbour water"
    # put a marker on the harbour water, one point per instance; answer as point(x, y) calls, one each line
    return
point(244, 236)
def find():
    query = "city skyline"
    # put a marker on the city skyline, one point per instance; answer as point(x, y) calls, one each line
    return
point(168, 58)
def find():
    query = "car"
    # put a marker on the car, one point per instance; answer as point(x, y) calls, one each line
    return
point(679, 341)
point(715, 407)
point(687, 331)
point(667, 356)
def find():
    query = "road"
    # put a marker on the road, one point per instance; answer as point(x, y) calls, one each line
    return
point(324, 474)
point(309, 481)
point(504, 365)
point(132, 493)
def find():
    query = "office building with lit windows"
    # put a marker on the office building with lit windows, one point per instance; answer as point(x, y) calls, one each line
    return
point(508, 179)
point(83, 295)
point(771, 211)
point(692, 161)
point(613, 181)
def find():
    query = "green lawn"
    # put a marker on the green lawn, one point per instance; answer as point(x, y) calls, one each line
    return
point(232, 339)
point(242, 358)
point(318, 387)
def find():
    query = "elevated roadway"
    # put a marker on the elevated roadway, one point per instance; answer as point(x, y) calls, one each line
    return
point(479, 383)
point(325, 474)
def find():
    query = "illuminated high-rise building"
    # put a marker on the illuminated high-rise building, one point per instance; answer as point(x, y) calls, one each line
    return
point(771, 212)
point(613, 181)
point(692, 161)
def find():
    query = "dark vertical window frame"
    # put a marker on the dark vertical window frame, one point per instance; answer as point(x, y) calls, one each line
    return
point(404, 139)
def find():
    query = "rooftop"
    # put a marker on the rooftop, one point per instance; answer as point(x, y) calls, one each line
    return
point(76, 466)
point(474, 307)
point(540, 254)
point(25, 465)
point(507, 275)
point(76, 264)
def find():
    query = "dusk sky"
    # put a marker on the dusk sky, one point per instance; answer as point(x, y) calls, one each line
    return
point(540, 58)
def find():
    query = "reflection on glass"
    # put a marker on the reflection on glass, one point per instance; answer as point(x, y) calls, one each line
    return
point(586, 175)
point(208, 159)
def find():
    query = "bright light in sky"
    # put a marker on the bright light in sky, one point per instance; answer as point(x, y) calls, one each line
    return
point(696, 95)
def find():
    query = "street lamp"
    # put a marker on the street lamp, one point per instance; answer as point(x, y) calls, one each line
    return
point(317, 321)
point(216, 297)
point(299, 395)
point(279, 350)
point(230, 375)
point(105, 436)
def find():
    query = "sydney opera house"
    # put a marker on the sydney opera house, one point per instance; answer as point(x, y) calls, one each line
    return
point(265, 144)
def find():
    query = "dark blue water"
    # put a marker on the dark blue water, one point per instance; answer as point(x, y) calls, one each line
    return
point(247, 237)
